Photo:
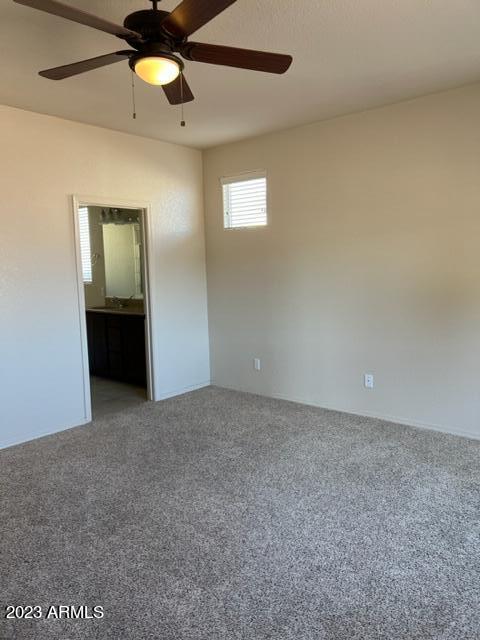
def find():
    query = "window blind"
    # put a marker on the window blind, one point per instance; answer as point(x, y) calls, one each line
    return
point(245, 201)
point(85, 249)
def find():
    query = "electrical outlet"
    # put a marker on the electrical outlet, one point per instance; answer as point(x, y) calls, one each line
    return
point(257, 365)
point(369, 381)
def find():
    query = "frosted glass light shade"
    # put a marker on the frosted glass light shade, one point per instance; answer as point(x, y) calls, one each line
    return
point(157, 70)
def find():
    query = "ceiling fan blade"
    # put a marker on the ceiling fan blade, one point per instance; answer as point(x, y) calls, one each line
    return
point(178, 91)
point(240, 58)
point(68, 70)
point(82, 17)
point(190, 15)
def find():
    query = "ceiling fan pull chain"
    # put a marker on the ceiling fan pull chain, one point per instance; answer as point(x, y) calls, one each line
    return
point(182, 123)
point(133, 97)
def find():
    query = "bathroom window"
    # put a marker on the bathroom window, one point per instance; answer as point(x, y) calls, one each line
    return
point(85, 249)
point(245, 200)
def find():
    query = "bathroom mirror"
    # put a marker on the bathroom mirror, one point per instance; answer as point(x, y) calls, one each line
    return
point(123, 270)
point(115, 249)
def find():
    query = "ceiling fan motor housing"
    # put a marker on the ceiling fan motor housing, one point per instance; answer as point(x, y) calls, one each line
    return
point(148, 23)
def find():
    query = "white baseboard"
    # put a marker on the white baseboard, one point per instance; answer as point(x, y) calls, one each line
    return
point(368, 414)
point(361, 413)
point(43, 435)
point(178, 392)
point(51, 432)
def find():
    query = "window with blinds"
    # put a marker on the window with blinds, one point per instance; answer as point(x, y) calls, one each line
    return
point(245, 201)
point(85, 249)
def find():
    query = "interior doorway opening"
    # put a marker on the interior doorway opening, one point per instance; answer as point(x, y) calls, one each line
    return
point(113, 282)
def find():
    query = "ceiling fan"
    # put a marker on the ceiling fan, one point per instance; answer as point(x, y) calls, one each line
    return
point(156, 38)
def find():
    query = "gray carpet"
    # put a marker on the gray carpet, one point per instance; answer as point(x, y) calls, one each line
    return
point(222, 515)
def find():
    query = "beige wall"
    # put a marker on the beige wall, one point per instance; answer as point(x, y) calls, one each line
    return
point(370, 263)
point(43, 161)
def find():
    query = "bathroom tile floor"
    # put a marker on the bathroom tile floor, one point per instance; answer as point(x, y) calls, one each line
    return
point(110, 396)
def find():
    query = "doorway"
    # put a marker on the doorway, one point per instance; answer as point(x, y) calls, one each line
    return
point(113, 287)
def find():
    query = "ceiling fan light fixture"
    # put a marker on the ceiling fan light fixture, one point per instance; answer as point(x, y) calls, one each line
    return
point(155, 37)
point(157, 70)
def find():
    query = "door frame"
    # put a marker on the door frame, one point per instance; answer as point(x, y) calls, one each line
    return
point(146, 208)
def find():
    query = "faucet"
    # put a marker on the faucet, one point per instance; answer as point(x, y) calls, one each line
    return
point(121, 304)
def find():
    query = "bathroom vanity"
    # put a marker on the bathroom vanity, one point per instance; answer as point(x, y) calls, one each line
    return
point(116, 344)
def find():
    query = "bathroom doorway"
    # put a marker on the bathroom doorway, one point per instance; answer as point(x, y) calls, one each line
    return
point(113, 287)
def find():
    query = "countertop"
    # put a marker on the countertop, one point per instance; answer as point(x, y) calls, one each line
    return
point(122, 311)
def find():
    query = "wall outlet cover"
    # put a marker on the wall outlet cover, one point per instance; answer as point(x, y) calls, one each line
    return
point(369, 381)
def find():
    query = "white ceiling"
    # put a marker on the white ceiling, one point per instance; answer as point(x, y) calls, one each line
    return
point(349, 55)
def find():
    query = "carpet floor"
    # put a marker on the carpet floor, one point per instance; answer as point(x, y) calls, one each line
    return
point(224, 515)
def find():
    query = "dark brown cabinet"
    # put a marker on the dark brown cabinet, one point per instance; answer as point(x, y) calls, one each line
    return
point(116, 346)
